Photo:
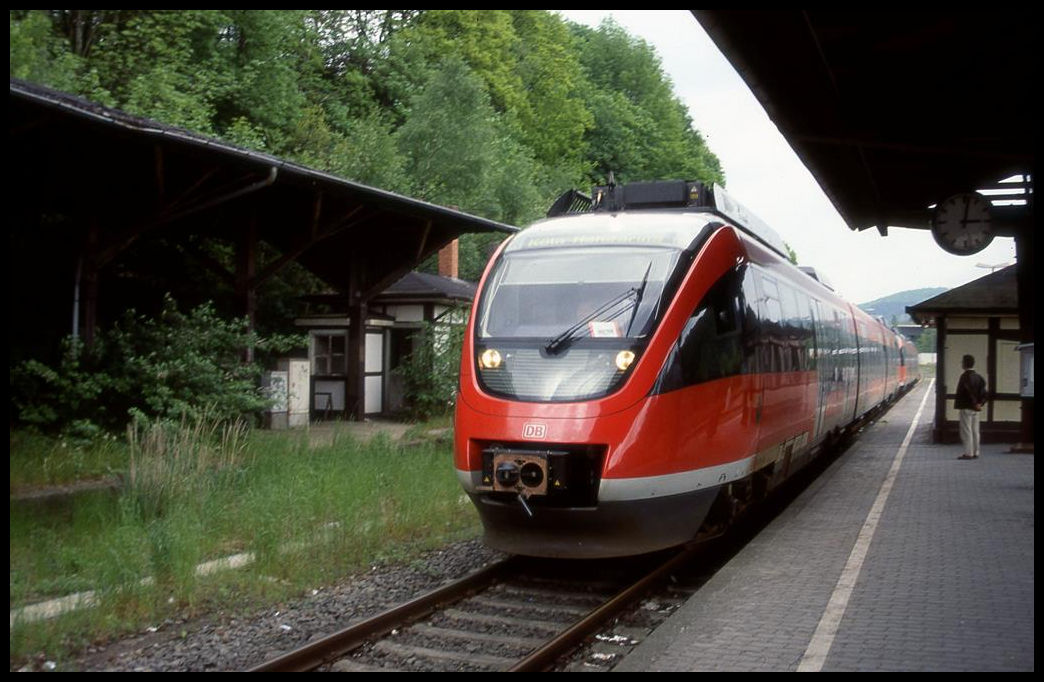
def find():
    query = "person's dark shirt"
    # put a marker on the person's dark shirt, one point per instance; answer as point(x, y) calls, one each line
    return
point(971, 391)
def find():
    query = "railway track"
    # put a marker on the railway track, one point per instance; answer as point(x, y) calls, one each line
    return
point(528, 614)
point(517, 615)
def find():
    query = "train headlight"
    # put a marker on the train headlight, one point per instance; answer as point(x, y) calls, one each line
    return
point(624, 359)
point(490, 359)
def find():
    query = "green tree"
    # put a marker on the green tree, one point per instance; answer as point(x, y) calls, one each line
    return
point(457, 153)
point(448, 137)
point(554, 117)
point(927, 341)
point(41, 54)
point(529, 68)
point(354, 45)
point(163, 65)
point(642, 131)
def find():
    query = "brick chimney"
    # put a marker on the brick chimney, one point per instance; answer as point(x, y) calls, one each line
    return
point(448, 260)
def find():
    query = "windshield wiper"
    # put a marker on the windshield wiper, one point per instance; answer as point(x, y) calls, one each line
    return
point(638, 299)
point(635, 293)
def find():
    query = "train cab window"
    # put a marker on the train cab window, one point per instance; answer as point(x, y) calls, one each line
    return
point(560, 317)
point(537, 294)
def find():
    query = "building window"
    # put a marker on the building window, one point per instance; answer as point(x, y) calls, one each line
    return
point(328, 354)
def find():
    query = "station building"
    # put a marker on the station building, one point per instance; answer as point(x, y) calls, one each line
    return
point(393, 319)
point(980, 319)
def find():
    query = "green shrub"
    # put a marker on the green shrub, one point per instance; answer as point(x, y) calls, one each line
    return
point(431, 372)
point(176, 364)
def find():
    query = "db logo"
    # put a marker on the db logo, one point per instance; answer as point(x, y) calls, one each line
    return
point(534, 430)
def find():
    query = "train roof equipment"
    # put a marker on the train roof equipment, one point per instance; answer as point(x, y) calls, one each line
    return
point(817, 275)
point(670, 194)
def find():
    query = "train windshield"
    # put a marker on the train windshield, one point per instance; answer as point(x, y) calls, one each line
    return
point(558, 295)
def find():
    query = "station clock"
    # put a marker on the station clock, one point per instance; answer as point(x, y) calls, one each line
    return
point(961, 224)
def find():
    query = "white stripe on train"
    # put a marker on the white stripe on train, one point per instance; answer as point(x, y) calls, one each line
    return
point(646, 487)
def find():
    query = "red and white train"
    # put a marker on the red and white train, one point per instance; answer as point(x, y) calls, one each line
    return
point(647, 361)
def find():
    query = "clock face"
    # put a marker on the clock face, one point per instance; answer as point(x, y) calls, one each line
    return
point(961, 224)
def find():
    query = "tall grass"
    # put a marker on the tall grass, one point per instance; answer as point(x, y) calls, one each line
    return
point(37, 460)
point(180, 461)
point(199, 491)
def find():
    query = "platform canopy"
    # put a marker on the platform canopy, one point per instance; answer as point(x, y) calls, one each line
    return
point(131, 178)
point(893, 111)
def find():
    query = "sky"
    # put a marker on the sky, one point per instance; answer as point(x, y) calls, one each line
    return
point(763, 173)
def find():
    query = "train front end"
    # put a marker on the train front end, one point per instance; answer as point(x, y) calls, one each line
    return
point(558, 442)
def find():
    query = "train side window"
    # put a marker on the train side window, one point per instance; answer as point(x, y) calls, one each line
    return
point(772, 341)
point(711, 343)
point(752, 307)
point(841, 344)
point(810, 322)
point(794, 334)
point(804, 325)
point(773, 310)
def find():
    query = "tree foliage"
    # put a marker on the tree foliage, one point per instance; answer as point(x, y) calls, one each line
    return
point(927, 342)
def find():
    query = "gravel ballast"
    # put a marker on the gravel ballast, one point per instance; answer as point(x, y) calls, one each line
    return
point(228, 642)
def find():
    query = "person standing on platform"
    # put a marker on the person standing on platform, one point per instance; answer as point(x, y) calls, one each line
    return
point(971, 397)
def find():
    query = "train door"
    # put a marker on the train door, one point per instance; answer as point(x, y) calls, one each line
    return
point(820, 360)
point(859, 340)
point(848, 364)
point(752, 322)
point(779, 391)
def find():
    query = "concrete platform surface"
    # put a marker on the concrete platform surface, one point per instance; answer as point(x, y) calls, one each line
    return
point(899, 557)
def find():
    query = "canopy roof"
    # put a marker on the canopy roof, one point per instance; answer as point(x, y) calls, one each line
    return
point(994, 294)
point(893, 111)
point(132, 177)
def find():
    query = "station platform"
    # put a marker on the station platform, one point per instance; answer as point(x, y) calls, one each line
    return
point(899, 557)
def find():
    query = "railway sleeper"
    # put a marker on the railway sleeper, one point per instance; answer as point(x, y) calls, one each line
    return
point(463, 659)
point(522, 644)
point(544, 609)
point(350, 665)
point(532, 593)
point(542, 627)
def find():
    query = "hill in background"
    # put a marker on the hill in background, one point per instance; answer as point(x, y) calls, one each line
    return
point(894, 306)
